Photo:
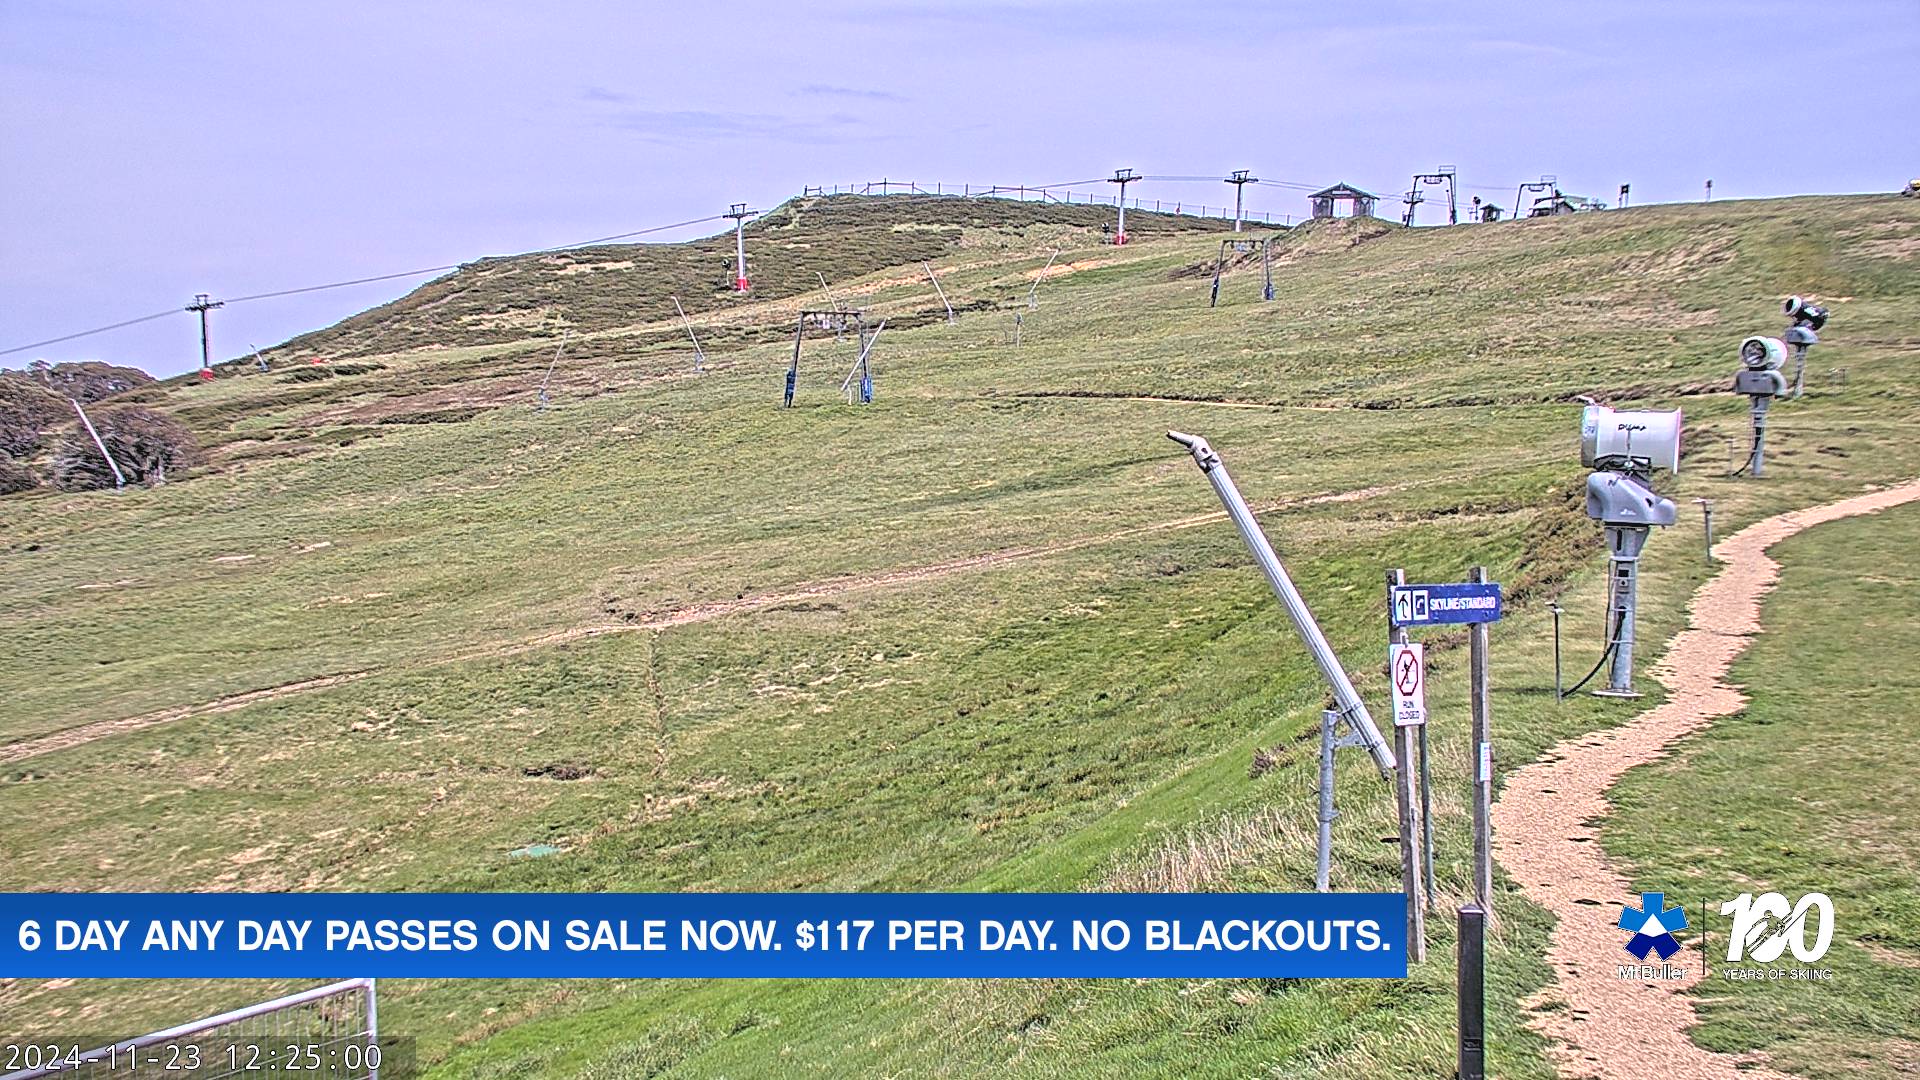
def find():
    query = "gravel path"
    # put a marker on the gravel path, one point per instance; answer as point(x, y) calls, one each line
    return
point(1546, 834)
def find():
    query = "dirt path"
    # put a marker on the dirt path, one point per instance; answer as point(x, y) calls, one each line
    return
point(1546, 828)
point(82, 734)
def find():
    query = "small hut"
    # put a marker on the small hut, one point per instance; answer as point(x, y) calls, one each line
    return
point(1359, 203)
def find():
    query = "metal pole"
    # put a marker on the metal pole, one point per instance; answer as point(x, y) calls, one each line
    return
point(1555, 608)
point(739, 213)
point(1033, 294)
point(828, 289)
point(373, 1026)
point(1799, 370)
point(699, 358)
point(793, 369)
point(1351, 708)
point(550, 366)
point(1706, 511)
point(119, 479)
point(1756, 461)
point(1239, 180)
point(1471, 993)
point(1123, 177)
point(860, 364)
point(202, 304)
point(1478, 678)
point(1624, 543)
point(938, 289)
point(1323, 854)
point(740, 253)
point(1410, 861)
point(1426, 815)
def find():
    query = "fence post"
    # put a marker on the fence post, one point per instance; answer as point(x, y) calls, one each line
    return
point(1470, 990)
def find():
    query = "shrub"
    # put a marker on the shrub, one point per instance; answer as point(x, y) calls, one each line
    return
point(148, 445)
point(90, 380)
point(15, 476)
point(27, 412)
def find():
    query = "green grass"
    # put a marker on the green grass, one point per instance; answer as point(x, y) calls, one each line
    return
point(1806, 790)
point(1046, 720)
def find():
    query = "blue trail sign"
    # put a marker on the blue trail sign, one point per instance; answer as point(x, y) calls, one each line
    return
point(1431, 605)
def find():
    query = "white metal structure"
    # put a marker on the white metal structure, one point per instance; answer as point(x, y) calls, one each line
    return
point(336, 1017)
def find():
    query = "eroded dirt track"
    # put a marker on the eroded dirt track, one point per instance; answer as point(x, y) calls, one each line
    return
point(1546, 829)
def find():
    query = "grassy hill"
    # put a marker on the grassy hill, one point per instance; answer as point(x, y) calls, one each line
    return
point(840, 237)
point(988, 632)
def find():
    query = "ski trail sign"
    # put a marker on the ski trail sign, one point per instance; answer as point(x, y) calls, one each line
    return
point(1431, 605)
point(1407, 664)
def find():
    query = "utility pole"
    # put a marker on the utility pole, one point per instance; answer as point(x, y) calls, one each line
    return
point(1123, 177)
point(202, 305)
point(1240, 179)
point(739, 213)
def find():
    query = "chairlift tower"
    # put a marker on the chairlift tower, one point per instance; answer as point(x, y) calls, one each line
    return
point(1230, 248)
point(1546, 182)
point(1442, 175)
point(1240, 179)
point(1123, 177)
point(1413, 200)
point(838, 319)
point(203, 304)
point(739, 213)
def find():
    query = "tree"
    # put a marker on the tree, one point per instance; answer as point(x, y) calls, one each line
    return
point(148, 445)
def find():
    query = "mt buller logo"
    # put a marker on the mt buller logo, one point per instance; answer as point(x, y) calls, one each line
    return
point(1652, 925)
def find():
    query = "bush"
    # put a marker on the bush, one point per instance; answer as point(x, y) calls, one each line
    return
point(27, 412)
point(148, 445)
point(91, 380)
point(15, 476)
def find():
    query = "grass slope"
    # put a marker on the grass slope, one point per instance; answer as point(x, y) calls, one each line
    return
point(1806, 791)
point(982, 634)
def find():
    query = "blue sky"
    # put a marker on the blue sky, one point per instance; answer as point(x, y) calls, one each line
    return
point(152, 151)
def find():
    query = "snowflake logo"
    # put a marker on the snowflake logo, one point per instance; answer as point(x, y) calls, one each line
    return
point(1652, 925)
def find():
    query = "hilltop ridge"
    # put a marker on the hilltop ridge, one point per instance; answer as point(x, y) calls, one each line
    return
point(789, 248)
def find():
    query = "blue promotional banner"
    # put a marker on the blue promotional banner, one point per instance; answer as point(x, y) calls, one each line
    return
point(1432, 605)
point(703, 935)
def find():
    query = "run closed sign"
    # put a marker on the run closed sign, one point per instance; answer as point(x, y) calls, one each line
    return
point(1408, 666)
